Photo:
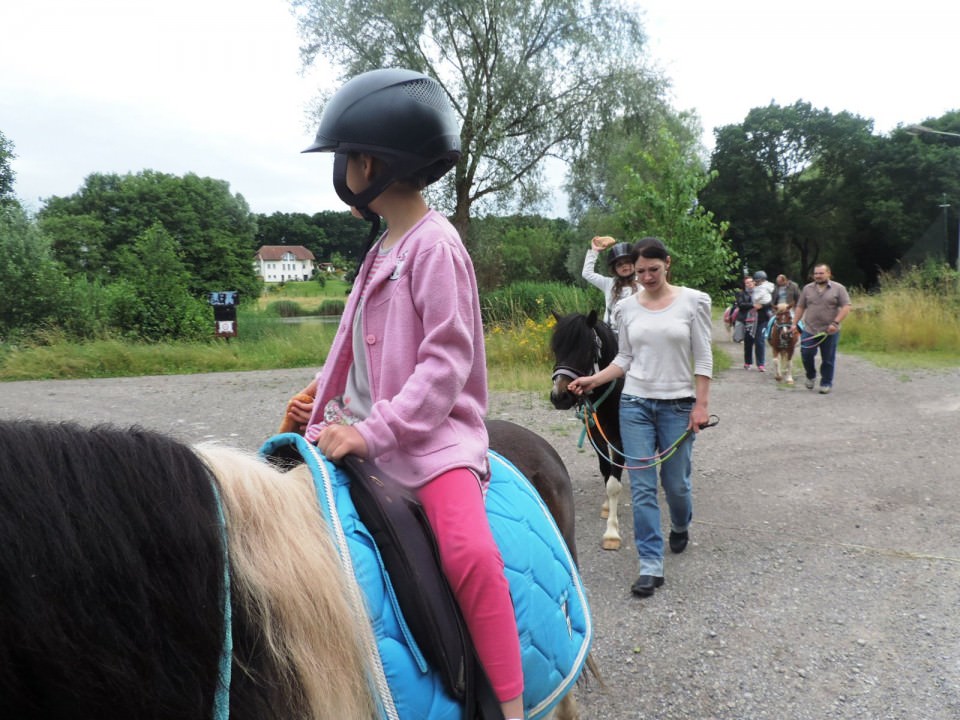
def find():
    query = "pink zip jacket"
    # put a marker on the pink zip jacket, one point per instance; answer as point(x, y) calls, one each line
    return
point(425, 354)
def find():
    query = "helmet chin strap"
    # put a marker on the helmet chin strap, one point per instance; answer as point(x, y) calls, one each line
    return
point(358, 200)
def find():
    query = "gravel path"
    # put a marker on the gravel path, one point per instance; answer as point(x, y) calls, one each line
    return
point(823, 575)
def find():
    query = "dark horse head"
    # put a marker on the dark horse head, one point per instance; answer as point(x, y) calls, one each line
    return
point(581, 345)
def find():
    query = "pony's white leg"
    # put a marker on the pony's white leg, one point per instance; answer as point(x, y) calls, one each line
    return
point(788, 361)
point(611, 536)
point(777, 365)
point(605, 509)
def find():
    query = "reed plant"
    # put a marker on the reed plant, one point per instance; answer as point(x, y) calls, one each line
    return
point(514, 304)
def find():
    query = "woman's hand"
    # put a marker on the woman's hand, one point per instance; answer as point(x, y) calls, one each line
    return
point(581, 385)
point(699, 416)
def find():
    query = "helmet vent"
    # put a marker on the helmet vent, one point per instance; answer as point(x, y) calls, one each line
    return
point(426, 92)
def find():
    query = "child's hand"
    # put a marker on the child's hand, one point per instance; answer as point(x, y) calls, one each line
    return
point(299, 408)
point(298, 412)
point(335, 441)
point(602, 242)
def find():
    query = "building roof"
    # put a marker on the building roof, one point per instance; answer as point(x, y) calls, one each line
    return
point(276, 252)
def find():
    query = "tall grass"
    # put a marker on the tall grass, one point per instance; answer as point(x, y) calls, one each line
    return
point(914, 320)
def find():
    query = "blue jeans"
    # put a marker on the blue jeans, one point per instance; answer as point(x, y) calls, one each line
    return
point(828, 356)
point(754, 346)
point(648, 426)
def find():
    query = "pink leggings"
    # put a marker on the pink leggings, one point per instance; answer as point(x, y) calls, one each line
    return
point(472, 563)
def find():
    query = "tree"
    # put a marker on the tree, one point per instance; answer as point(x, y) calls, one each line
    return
point(325, 234)
point(520, 247)
point(153, 300)
point(599, 175)
point(213, 229)
point(7, 175)
point(659, 197)
point(781, 183)
point(31, 281)
point(530, 79)
point(290, 229)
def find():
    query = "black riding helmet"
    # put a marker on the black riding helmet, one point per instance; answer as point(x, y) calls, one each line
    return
point(621, 251)
point(401, 117)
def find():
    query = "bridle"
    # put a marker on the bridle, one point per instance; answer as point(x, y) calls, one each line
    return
point(784, 337)
point(582, 402)
point(568, 371)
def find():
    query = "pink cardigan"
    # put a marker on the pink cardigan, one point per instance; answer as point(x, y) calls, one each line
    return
point(425, 354)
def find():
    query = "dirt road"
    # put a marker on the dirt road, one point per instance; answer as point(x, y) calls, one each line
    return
point(823, 575)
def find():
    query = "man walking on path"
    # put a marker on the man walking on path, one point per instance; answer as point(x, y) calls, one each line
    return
point(822, 306)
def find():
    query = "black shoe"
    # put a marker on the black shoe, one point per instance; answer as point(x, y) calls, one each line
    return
point(645, 585)
point(678, 541)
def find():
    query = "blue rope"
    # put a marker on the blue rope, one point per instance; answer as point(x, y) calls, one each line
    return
point(221, 699)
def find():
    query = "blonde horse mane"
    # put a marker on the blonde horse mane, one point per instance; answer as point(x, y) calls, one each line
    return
point(286, 572)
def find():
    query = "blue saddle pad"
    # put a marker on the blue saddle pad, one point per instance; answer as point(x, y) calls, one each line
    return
point(553, 616)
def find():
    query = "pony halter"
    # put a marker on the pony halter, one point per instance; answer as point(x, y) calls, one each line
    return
point(573, 373)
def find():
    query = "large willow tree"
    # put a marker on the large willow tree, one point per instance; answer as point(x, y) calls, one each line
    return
point(530, 79)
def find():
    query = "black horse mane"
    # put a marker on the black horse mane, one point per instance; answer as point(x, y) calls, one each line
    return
point(111, 576)
point(573, 342)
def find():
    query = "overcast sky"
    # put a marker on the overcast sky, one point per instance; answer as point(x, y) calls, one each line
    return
point(214, 86)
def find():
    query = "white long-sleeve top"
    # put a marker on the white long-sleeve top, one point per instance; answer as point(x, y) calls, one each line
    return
point(658, 348)
point(605, 284)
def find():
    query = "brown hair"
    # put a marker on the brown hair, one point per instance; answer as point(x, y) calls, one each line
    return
point(652, 248)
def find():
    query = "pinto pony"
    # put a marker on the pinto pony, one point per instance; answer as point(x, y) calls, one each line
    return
point(143, 578)
point(783, 343)
point(582, 345)
point(117, 548)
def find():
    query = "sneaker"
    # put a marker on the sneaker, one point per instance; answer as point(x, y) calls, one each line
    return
point(825, 389)
point(761, 368)
point(809, 383)
point(747, 366)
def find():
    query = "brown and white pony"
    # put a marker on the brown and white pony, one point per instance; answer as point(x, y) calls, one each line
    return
point(144, 578)
point(783, 342)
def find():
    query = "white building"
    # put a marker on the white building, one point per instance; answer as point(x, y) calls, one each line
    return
point(279, 263)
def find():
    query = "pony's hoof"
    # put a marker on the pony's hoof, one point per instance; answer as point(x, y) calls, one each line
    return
point(790, 382)
point(611, 543)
